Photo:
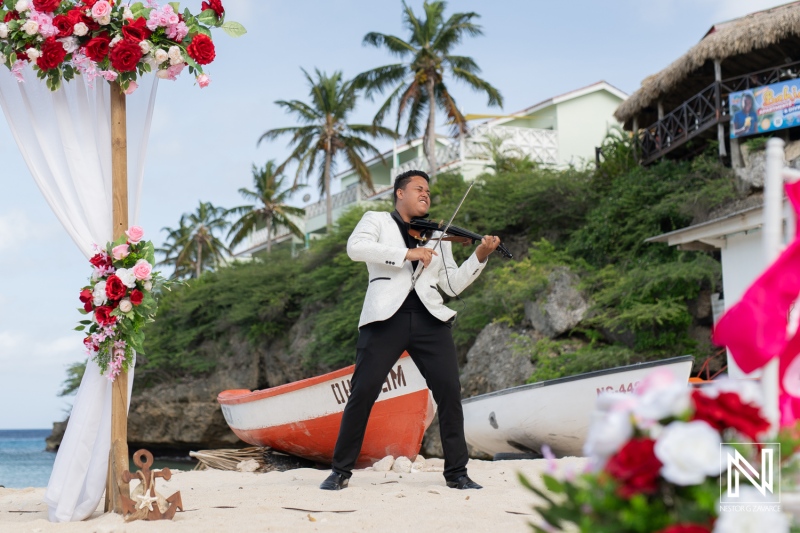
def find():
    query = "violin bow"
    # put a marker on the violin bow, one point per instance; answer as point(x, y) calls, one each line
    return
point(449, 223)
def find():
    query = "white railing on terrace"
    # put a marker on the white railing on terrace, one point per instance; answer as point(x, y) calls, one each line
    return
point(540, 145)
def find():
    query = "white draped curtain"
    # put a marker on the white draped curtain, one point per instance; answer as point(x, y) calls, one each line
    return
point(65, 140)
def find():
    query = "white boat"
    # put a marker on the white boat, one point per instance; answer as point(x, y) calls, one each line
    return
point(555, 412)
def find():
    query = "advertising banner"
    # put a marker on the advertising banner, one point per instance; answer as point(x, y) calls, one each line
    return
point(768, 108)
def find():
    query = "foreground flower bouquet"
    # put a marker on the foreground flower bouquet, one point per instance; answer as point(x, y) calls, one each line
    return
point(656, 463)
point(122, 296)
point(114, 40)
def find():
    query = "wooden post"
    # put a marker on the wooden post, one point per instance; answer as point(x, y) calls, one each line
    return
point(720, 126)
point(118, 455)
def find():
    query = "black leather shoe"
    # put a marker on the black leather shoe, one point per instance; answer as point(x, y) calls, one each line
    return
point(464, 482)
point(335, 482)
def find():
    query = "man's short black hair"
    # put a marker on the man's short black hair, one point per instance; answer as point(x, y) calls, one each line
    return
point(402, 180)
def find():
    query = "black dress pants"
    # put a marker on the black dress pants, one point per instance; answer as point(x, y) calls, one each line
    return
point(429, 342)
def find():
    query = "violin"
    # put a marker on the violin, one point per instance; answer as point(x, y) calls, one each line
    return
point(422, 230)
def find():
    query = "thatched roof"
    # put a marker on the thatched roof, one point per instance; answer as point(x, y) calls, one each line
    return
point(749, 34)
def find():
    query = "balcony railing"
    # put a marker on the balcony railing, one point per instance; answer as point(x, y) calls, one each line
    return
point(540, 145)
point(704, 110)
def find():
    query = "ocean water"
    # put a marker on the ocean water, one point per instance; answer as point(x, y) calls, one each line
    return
point(23, 461)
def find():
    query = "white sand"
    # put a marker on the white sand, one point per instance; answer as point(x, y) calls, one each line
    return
point(380, 501)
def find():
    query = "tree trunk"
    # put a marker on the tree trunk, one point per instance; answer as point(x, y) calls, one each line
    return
point(269, 235)
point(199, 259)
point(328, 198)
point(431, 130)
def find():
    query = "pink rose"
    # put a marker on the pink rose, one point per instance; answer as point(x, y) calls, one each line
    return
point(142, 269)
point(101, 9)
point(120, 252)
point(132, 86)
point(134, 233)
point(203, 80)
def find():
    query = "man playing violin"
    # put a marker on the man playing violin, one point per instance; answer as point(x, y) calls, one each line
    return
point(404, 311)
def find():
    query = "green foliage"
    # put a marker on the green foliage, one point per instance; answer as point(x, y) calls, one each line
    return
point(568, 357)
point(650, 300)
point(755, 144)
point(646, 202)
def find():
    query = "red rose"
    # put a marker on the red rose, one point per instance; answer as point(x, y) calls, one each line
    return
point(75, 16)
point(89, 3)
point(87, 306)
point(136, 296)
point(137, 30)
point(636, 467)
point(103, 316)
point(11, 15)
point(115, 289)
point(53, 54)
point(100, 260)
point(728, 411)
point(125, 55)
point(216, 5)
point(97, 50)
point(64, 25)
point(46, 6)
point(201, 49)
point(86, 295)
point(685, 528)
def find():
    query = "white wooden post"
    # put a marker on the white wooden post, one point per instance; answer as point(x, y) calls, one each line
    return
point(773, 244)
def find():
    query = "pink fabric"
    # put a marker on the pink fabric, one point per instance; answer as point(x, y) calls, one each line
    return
point(754, 329)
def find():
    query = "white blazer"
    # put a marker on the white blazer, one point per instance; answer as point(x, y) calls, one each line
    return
point(377, 241)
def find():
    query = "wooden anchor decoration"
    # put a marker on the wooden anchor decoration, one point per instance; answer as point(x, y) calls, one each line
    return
point(147, 504)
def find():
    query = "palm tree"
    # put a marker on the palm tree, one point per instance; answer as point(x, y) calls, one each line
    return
point(418, 81)
point(193, 246)
point(325, 133)
point(269, 206)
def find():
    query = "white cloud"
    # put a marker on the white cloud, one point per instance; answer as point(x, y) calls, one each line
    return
point(17, 229)
point(28, 351)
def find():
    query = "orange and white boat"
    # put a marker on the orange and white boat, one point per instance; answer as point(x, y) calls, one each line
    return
point(302, 418)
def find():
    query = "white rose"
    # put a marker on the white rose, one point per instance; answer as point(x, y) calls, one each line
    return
point(3, 30)
point(80, 29)
point(32, 53)
point(160, 56)
point(127, 276)
point(99, 294)
point(115, 40)
point(104, 21)
point(608, 431)
point(127, 14)
point(162, 74)
point(145, 47)
point(659, 403)
point(70, 44)
point(148, 285)
point(125, 305)
point(2, 57)
point(21, 5)
point(748, 521)
point(689, 451)
point(30, 27)
point(175, 55)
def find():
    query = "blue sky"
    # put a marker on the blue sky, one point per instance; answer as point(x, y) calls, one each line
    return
point(203, 143)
